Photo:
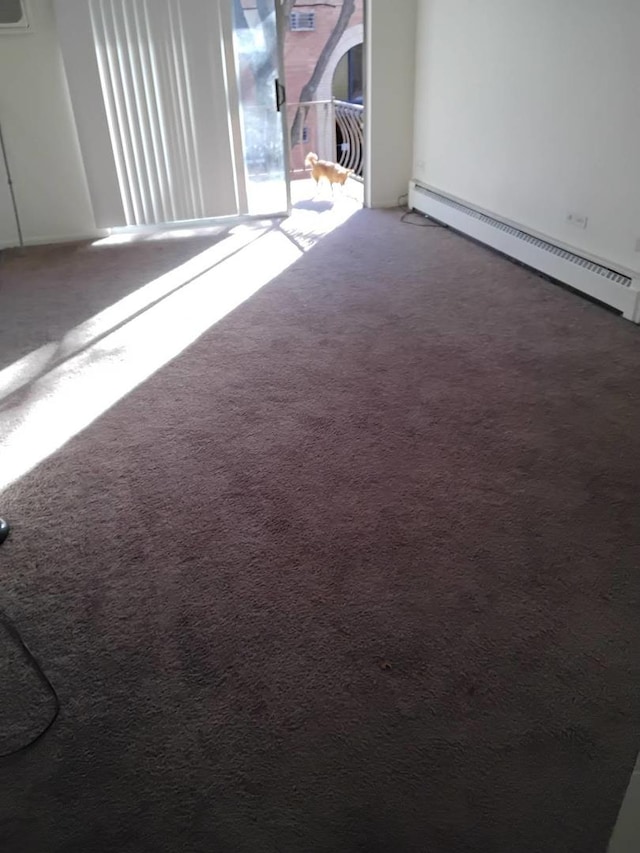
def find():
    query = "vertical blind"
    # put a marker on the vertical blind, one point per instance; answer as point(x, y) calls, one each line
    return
point(158, 78)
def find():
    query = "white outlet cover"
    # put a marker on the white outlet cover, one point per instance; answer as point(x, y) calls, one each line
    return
point(577, 219)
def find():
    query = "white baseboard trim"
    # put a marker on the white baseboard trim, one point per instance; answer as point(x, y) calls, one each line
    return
point(98, 234)
point(614, 287)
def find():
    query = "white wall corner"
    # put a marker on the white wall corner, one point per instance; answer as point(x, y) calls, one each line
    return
point(390, 48)
point(43, 153)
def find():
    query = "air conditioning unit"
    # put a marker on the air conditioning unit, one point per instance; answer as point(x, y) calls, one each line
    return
point(13, 16)
point(616, 288)
point(302, 22)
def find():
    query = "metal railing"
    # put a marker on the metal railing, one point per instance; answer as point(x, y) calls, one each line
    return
point(312, 128)
point(333, 129)
point(350, 135)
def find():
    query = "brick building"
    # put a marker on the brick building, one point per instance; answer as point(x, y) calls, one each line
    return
point(308, 29)
point(310, 26)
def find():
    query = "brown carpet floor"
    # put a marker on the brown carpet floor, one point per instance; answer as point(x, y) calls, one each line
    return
point(358, 571)
point(47, 290)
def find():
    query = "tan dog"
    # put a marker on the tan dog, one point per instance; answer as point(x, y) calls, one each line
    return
point(333, 172)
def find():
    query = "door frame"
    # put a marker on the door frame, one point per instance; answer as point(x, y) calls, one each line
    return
point(281, 23)
point(235, 121)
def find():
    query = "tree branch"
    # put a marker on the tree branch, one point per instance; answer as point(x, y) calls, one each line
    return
point(309, 89)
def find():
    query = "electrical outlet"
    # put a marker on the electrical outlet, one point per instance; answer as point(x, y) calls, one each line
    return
point(577, 219)
point(420, 165)
point(638, 245)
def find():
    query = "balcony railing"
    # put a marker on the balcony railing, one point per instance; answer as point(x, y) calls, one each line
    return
point(350, 135)
point(333, 129)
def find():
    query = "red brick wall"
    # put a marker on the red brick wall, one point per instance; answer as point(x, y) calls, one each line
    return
point(301, 52)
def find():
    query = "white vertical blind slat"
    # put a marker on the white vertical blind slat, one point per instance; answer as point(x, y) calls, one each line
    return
point(182, 125)
point(165, 130)
point(163, 123)
point(113, 106)
point(156, 154)
point(190, 112)
point(133, 38)
point(135, 122)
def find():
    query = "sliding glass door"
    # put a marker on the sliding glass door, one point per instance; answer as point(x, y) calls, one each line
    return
point(177, 107)
point(257, 33)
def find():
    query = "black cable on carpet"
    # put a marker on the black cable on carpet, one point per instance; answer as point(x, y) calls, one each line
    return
point(33, 663)
point(425, 221)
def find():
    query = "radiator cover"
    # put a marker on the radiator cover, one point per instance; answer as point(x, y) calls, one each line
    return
point(612, 287)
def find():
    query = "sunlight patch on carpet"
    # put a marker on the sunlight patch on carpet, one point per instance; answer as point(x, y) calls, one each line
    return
point(105, 358)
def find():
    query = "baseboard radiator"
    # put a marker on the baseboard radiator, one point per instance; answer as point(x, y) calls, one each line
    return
point(613, 288)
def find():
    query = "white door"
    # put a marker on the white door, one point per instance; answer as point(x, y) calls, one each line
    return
point(258, 35)
point(156, 92)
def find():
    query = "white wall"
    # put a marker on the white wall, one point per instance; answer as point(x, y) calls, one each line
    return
point(389, 99)
point(40, 136)
point(531, 110)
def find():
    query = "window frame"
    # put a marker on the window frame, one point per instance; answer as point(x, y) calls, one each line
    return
point(22, 26)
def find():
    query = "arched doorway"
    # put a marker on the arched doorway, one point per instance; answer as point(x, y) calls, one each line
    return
point(348, 78)
point(316, 59)
point(348, 91)
point(343, 82)
point(350, 38)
